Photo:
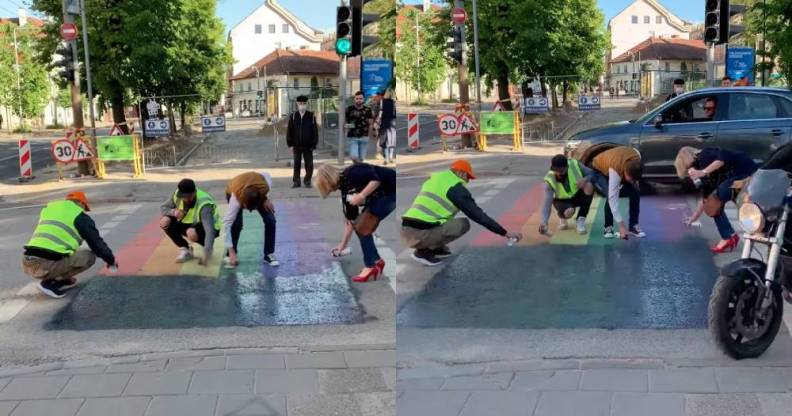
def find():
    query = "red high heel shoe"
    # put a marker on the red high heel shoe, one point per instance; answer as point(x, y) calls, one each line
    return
point(380, 265)
point(372, 274)
point(731, 243)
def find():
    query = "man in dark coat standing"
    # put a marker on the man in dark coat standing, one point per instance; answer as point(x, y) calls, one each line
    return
point(302, 136)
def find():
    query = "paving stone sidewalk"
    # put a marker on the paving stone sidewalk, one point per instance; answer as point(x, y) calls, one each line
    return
point(280, 382)
point(595, 388)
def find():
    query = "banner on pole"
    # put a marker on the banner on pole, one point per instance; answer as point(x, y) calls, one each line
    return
point(116, 148)
point(497, 122)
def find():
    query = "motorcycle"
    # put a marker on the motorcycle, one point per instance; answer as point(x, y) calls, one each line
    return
point(746, 305)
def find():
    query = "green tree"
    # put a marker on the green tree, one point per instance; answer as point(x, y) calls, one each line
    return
point(25, 91)
point(773, 18)
point(420, 59)
point(385, 28)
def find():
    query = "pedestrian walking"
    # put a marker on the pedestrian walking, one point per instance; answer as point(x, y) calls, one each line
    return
point(53, 254)
point(302, 136)
point(716, 170)
point(249, 191)
point(191, 212)
point(387, 123)
point(567, 187)
point(360, 121)
point(368, 196)
point(618, 171)
point(430, 224)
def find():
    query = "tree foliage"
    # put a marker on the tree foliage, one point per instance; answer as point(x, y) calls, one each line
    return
point(26, 91)
point(385, 29)
point(420, 59)
point(773, 18)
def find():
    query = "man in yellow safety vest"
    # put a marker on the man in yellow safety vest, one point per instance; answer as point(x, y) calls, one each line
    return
point(567, 187)
point(53, 254)
point(191, 212)
point(429, 225)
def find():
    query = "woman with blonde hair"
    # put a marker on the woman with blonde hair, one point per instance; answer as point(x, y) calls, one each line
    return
point(714, 171)
point(372, 188)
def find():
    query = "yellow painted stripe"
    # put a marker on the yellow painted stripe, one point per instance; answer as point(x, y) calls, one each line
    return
point(192, 268)
point(163, 260)
point(571, 236)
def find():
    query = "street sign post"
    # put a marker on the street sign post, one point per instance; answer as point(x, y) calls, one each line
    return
point(448, 124)
point(157, 128)
point(63, 151)
point(68, 32)
point(83, 151)
point(466, 124)
point(376, 76)
point(213, 124)
point(740, 63)
point(459, 16)
point(535, 105)
point(588, 103)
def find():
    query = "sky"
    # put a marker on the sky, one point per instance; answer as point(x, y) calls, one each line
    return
point(321, 13)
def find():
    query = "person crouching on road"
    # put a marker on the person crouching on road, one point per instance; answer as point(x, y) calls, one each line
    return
point(191, 212)
point(717, 169)
point(567, 187)
point(53, 254)
point(249, 191)
point(612, 168)
point(372, 188)
point(429, 225)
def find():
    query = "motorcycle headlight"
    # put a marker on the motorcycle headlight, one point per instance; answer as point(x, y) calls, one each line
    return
point(752, 219)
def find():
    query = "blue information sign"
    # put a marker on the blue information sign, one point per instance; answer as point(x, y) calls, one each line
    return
point(376, 76)
point(740, 63)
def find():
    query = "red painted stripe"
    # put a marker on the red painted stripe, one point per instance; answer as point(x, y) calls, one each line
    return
point(23, 143)
point(28, 172)
point(514, 218)
point(411, 116)
point(25, 158)
point(413, 130)
point(137, 251)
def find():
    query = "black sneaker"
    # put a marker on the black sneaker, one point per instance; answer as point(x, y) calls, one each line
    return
point(67, 284)
point(426, 258)
point(270, 259)
point(51, 288)
point(295, 185)
point(441, 252)
point(307, 184)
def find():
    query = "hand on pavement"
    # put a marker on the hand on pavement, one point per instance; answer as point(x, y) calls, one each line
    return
point(623, 233)
point(232, 258)
point(336, 251)
point(514, 236)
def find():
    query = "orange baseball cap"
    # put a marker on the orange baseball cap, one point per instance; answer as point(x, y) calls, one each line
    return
point(78, 196)
point(463, 166)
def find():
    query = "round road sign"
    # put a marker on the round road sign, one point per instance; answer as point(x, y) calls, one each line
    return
point(219, 121)
point(69, 32)
point(448, 124)
point(459, 16)
point(63, 151)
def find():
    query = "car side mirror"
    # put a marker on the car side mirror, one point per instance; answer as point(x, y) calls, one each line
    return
point(658, 122)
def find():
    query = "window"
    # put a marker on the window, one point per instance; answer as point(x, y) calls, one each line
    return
point(785, 107)
point(618, 69)
point(751, 107)
point(647, 20)
point(691, 110)
point(634, 20)
point(668, 67)
point(285, 28)
point(271, 28)
point(659, 20)
point(296, 83)
point(250, 87)
point(258, 29)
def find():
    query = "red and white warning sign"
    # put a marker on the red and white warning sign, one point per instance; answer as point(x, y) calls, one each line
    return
point(413, 141)
point(498, 106)
point(466, 124)
point(63, 151)
point(116, 131)
point(448, 124)
point(25, 162)
point(82, 151)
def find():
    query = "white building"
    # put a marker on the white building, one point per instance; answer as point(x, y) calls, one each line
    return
point(641, 20)
point(268, 28)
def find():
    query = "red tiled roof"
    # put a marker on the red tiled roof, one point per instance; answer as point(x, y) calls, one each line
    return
point(287, 61)
point(667, 49)
point(14, 20)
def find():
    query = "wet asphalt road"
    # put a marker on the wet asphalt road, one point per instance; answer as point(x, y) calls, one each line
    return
point(9, 158)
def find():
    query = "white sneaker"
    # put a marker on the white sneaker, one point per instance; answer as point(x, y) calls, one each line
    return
point(637, 231)
point(563, 225)
point(185, 254)
point(581, 225)
point(270, 259)
point(608, 232)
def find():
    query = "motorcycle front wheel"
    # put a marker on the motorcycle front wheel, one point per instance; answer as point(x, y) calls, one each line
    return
point(736, 326)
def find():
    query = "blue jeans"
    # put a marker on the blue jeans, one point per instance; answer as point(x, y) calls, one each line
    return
point(600, 183)
point(358, 147)
point(724, 193)
point(381, 207)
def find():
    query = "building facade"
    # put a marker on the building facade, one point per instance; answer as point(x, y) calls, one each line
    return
point(643, 19)
point(266, 29)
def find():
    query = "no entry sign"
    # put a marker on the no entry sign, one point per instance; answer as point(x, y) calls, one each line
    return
point(459, 16)
point(69, 32)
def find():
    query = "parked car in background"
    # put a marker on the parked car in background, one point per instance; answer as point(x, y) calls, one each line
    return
point(749, 119)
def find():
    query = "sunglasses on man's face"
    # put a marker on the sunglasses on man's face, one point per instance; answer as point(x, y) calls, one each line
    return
point(709, 108)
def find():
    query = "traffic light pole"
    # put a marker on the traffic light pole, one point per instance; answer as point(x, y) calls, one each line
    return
point(342, 93)
point(476, 54)
point(77, 114)
point(464, 94)
point(88, 72)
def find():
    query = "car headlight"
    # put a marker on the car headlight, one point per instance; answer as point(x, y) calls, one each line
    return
point(752, 219)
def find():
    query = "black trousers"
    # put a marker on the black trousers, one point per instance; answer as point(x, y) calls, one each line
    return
point(177, 230)
point(580, 200)
point(300, 154)
point(269, 229)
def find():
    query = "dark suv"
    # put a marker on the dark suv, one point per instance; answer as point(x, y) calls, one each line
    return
point(748, 119)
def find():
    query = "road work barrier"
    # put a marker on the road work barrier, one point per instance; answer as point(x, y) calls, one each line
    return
point(128, 148)
point(500, 123)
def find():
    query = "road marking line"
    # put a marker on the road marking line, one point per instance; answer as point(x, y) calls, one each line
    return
point(103, 233)
point(28, 290)
point(110, 224)
point(119, 218)
point(23, 207)
point(492, 192)
point(10, 308)
point(129, 209)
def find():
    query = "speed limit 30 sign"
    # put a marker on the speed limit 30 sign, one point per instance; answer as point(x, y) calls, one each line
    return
point(448, 124)
point(63, 151)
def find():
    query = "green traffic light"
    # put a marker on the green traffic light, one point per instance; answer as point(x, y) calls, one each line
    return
point(343, 46)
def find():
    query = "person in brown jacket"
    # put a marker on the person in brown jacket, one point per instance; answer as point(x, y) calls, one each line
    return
point(249, 191)
point(612, 169)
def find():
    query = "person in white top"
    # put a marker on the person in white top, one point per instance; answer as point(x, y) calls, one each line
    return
point(249, 191)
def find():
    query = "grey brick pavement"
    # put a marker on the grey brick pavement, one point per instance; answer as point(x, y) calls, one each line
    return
point(594, 388)
point(285, 382)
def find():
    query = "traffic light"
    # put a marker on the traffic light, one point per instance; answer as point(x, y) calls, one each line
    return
point(343, 43)
point(359, 21)
point(717, 28)
point(456, 44)
point(65, 64)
